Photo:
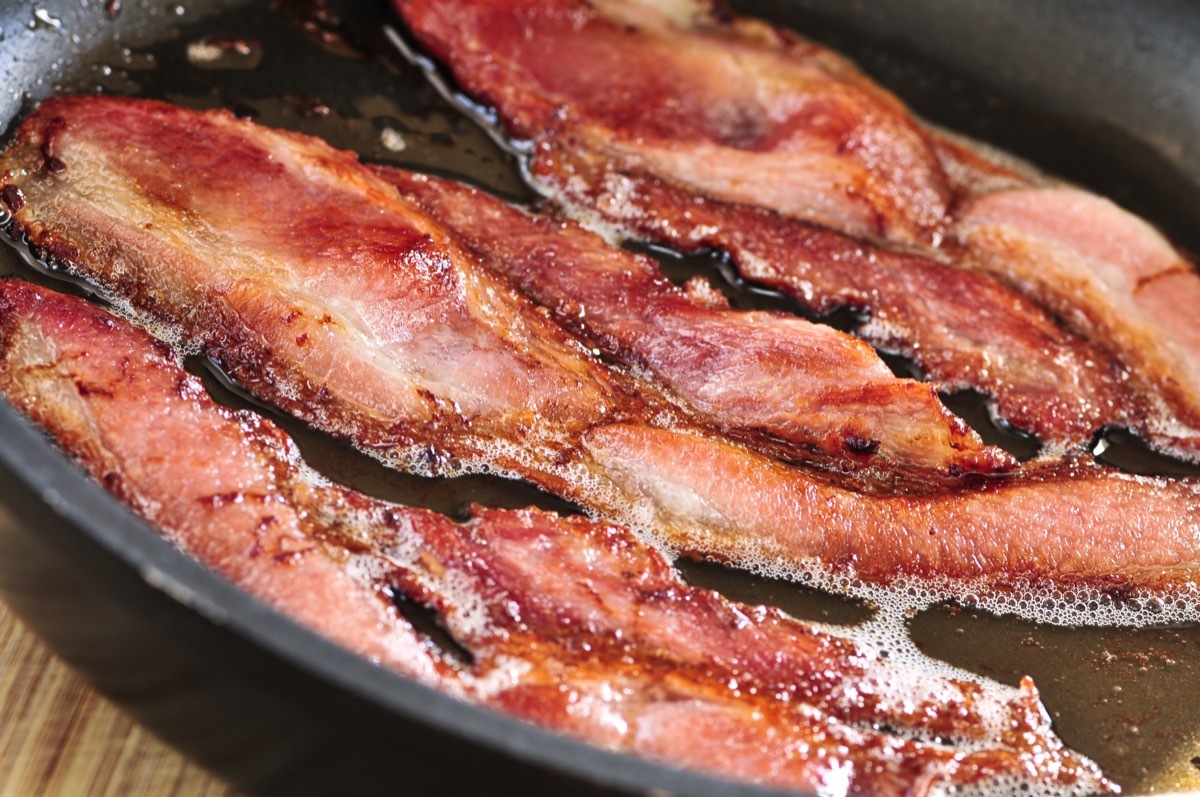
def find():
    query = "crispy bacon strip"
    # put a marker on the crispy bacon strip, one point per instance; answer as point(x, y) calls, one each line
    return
point(672, 123)
point(800, 390)
point(729, 107)
point(570, 623)
point(341, 301)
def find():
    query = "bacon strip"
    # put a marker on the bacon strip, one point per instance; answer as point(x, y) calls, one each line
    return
point(678, 124)
point(729, 107)
point(799, 390)
point(206, 477)
point(964, 329)
point(353, 309)
point(341, 300)
point(1113, 277)
point(570, 623)
point(1074, 524)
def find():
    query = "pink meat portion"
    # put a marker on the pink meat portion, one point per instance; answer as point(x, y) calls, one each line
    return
point(1090, 525)
point(963, 328)
point(207, 478)
point(1110, 275)
point(362, 299)
point(741, 113)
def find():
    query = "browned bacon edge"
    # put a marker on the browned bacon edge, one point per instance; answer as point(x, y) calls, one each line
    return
point(693, 128)
point(352, 308)
point(569, 623)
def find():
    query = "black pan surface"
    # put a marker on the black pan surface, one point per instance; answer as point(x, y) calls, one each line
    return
point(1102, 93)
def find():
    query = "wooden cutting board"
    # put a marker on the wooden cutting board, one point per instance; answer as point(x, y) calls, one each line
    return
point(59, 738)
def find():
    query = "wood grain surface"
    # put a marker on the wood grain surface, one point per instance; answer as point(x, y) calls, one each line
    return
point(58, 737)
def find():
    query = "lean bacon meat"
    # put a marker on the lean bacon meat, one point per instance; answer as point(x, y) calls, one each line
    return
point(569, 623)
point(688, 126)
point(318, 287)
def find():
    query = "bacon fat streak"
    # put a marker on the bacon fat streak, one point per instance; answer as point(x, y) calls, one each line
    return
point(357, 310)
point(570, 623)
point(690, 127)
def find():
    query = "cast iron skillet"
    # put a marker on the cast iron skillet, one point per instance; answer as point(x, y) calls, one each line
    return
point(1104, 93)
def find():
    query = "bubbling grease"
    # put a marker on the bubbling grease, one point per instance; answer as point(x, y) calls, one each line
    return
point(895, 669)
point(905, 596)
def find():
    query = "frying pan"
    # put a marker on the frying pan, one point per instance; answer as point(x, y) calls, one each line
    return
point(1102, 92)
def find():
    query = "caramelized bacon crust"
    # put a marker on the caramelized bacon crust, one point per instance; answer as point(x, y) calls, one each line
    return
point(341, 300)
point(569, 623)
point(690, 127)
point(356, 309)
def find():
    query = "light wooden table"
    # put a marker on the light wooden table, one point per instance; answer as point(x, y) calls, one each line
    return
point(58, 737)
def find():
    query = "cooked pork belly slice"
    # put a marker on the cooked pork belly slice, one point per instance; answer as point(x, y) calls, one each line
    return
point(1073, 524)
point(221, 485)
point(728, 113)
point(309, 280)
point(345, 322)
point(800, 390)
point(1108, 274)
point(742, 114)
point(964, 329)
point(570, 623)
